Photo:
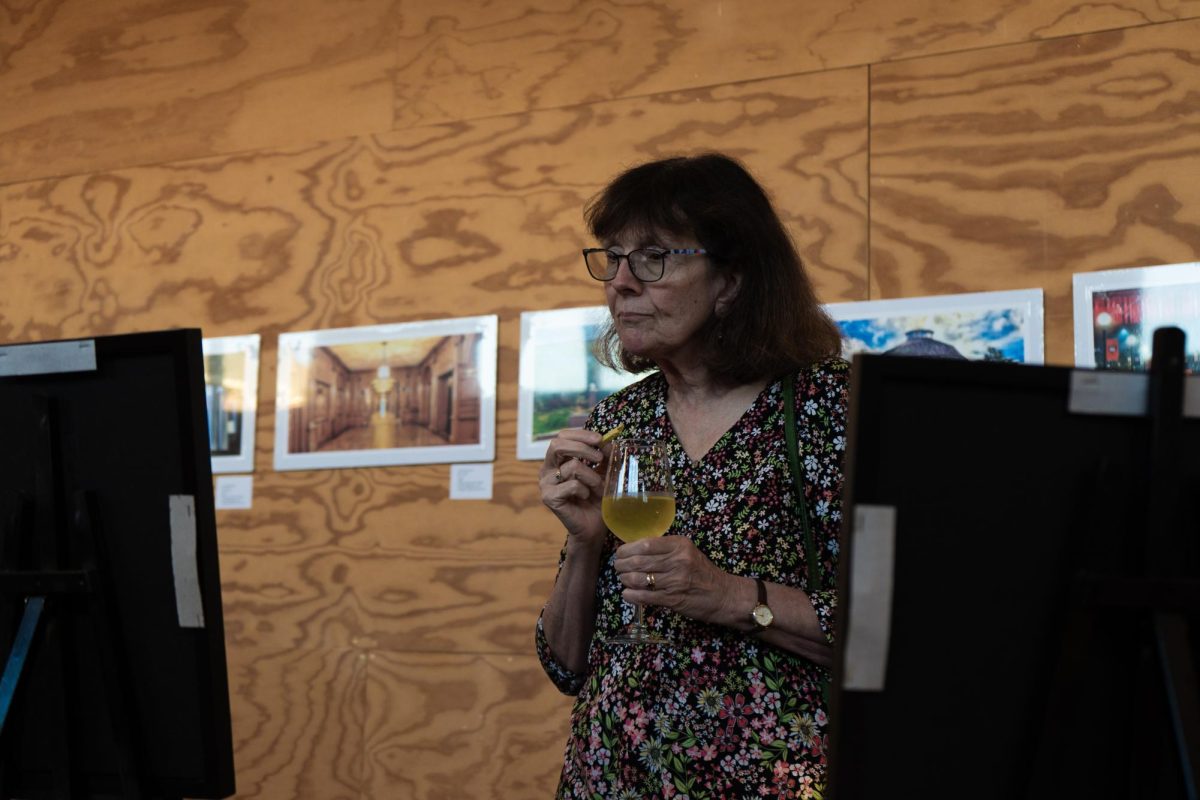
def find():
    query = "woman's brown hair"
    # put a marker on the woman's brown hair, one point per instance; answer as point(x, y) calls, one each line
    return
point(774, 325)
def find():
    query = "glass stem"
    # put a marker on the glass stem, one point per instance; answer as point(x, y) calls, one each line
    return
point(641, 619)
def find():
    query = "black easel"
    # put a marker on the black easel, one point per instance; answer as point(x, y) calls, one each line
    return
point(1165, 594)
point(39, 536)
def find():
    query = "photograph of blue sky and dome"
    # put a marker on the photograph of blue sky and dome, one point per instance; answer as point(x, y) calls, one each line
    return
point(1000, 326)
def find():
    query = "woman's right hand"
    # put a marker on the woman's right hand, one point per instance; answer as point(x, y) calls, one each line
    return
point(572, 482)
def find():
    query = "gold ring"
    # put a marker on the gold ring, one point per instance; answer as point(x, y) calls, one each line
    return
point(650, 580)
point(558, 478)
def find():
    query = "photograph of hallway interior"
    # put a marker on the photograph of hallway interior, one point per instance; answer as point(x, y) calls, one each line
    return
point(386, 394)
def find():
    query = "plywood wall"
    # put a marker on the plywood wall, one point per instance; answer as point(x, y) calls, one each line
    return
point(275, 165)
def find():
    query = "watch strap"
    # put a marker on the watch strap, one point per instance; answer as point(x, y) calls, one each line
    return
point(761, 606)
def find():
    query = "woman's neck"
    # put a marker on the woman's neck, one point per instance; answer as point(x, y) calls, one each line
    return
point(702, 409)
point(691, 382)
point(698, 390)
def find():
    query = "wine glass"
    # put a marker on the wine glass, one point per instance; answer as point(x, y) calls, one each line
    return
point(638, 502)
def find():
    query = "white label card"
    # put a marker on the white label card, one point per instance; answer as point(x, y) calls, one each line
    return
point(470, 481)
point(234, 491)
point(1124, 393)
point(48, 358)
point(1116, 393)
point(183, 561)
point(1191, 396)
point(869, 626)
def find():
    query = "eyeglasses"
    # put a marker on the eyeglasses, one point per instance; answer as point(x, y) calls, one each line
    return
point(646, 264)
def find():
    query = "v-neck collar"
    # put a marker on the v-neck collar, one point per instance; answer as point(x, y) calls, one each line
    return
point(673, 438)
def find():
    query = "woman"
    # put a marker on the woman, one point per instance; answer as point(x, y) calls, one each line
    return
point(707, 293)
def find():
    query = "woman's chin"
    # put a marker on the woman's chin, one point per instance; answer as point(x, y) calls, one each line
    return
point(638, 349)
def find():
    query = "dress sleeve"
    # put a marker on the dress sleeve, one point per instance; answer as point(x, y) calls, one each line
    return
point(822, 406)
point(564, 680)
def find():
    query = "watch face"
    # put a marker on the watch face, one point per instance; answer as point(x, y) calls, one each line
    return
point(763, 616)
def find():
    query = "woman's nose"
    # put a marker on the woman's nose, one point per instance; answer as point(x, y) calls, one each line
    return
point(625, 281)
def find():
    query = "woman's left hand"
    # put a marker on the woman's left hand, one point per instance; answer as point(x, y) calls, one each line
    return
point(683, 579)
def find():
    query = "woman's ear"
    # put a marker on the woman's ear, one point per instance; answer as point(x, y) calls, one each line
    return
point(727, 293)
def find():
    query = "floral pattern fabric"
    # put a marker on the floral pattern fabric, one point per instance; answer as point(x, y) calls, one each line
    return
point(720, 715)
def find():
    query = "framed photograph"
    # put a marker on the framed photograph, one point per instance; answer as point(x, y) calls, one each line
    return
point(983, 326)
point(560, 380)
point(405, 393)
point(231, 389)
point(1117, 311)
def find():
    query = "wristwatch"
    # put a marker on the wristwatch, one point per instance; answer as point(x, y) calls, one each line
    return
point(762, 614)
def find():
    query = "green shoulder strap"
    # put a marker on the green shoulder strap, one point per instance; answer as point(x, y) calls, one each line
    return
point(789, 431)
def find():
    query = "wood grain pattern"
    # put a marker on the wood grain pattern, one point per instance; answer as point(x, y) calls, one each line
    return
point(446, 727)
point(298, 721)
point(459, 59)
point(481, 596)
point(1015, 167)
point(369, 230)
point(146, 82)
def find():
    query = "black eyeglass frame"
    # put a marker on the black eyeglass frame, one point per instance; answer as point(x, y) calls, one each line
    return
point(650, 254)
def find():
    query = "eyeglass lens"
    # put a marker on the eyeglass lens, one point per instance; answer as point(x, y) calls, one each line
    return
point(645, 265)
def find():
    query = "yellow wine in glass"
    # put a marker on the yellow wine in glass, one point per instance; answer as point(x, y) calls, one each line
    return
point(638, 503)
point(632, 518)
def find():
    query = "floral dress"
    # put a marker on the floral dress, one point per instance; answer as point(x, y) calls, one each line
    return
point(721, 714)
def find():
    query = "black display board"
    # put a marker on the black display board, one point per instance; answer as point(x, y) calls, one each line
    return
point(124, 692)
point(1039, 556)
